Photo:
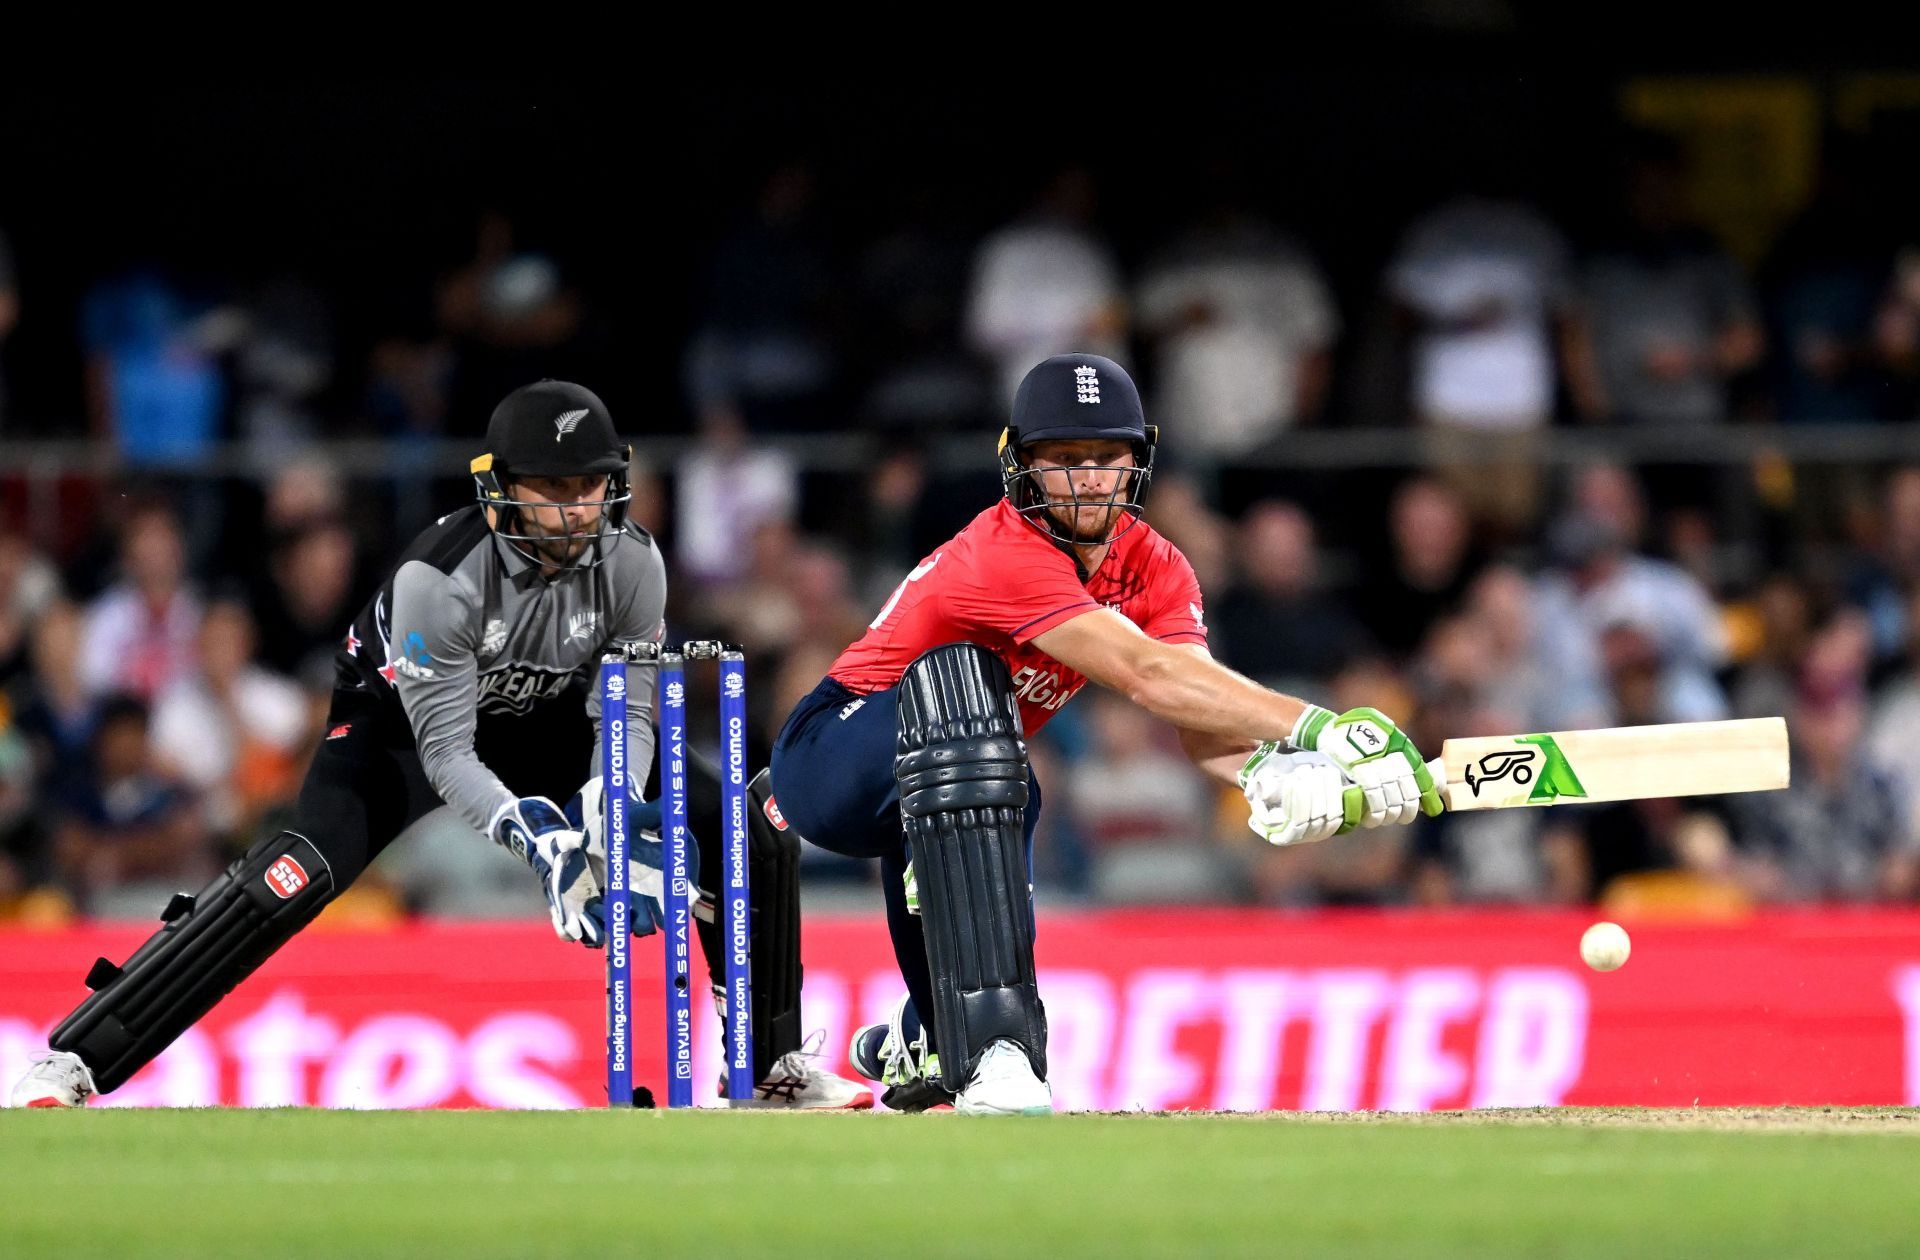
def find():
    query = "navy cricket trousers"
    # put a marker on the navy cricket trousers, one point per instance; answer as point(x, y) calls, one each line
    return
point(833, 777)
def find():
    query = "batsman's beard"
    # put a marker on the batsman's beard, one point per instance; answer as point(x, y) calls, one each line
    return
point(1088, 523)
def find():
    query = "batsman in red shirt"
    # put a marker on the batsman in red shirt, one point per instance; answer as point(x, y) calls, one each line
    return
point(913, 748)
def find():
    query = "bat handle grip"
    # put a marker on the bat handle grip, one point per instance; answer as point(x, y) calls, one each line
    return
point(1354, 797)
point(1353, 805)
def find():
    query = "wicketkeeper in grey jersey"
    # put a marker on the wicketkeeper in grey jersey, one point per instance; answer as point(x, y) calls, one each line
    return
point(467, 683)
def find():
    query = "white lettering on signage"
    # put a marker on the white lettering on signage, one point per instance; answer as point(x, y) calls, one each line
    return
point(1153, 1069)
point(282, 1055)
point(1533, 1038)
point(1262, 1002)
point(275, 1045)
point(1346, 1005)
point(1236, 1038)
point(1419, 1072)
point(1081, 1010)
point(521, 1059)
point(1906, 991)
point(394, 1061)
point(1222, 1039)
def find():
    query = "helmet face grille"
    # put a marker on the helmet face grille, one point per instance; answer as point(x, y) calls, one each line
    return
point(1021, 485)
point(553, 429)
point(505, 519)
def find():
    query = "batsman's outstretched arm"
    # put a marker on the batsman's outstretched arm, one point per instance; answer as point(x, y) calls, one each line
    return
point(1218, 756)
point(1212, 704)
point(1175, 682)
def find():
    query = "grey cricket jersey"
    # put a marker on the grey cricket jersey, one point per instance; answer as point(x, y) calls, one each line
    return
point(467, 631)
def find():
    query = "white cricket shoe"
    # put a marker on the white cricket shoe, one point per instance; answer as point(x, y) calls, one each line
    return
point(59, 1080)
point(1004, 1084)
point(798, 1084)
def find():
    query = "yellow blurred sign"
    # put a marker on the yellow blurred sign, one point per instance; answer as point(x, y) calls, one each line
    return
point(1752, 146)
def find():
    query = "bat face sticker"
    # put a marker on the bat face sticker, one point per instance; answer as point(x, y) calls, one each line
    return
point(1620, 763)
point(1538, 761)
point(1515, 763)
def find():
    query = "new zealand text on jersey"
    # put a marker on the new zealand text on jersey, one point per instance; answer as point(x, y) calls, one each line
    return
point(517, 688)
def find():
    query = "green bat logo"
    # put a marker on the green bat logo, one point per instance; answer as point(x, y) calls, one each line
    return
point(1514, 763)
point(1553, 779)
point(1557, 778)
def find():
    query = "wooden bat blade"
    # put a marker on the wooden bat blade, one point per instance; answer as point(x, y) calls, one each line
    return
point(1617, 763)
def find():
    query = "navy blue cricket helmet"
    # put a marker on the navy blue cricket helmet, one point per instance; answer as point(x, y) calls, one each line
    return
point(1076, 396)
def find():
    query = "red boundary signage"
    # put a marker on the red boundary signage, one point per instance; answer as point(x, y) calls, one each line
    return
point(1159, 1010)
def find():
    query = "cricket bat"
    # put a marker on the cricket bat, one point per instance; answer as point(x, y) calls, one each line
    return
point(1620, 763)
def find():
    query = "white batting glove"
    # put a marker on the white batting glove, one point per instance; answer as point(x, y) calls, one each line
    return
point(1392, 776)
point(1297, 802)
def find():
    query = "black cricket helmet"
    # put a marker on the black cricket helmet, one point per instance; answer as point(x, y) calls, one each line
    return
point(1076, 396)
point(552, 429)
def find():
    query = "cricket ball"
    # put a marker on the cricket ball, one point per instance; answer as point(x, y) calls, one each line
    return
point(1604, 946)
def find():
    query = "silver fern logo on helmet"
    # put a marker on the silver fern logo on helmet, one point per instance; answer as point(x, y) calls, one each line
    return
point(568, 422)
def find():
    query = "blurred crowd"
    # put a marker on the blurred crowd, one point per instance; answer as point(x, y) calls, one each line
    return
point(165, 661)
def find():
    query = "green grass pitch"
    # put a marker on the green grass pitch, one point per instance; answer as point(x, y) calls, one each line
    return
point(716, 1184)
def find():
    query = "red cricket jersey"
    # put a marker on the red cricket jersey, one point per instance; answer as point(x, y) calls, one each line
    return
point(1000, 582)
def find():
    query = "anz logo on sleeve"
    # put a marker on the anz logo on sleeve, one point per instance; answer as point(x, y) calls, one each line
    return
point(517, 688)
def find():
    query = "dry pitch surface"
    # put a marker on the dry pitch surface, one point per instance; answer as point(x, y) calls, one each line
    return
point(1718, 1119)
point(1541, 1182)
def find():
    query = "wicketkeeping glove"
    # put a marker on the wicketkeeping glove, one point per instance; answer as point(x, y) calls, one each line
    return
point(534, 829)
point(646, 855)
point(1392, 776)
point(1297, 802)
